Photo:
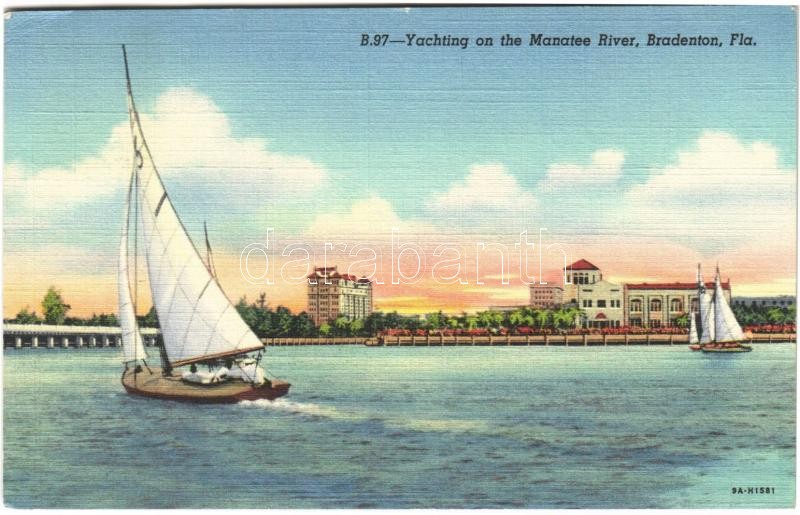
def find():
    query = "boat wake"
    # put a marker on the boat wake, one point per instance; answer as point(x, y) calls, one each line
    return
point(301, 408)
point(328, 412)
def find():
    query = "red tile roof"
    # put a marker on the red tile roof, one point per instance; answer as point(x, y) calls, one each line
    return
point(582, 264)
point(674, 286)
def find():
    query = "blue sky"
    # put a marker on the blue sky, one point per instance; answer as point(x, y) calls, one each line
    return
point(397, 123)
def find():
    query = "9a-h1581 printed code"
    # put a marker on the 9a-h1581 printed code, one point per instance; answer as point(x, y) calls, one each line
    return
point(752, 490)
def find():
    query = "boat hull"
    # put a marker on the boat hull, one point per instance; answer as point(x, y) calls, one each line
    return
point(727, 350)
point(730, 347)
point(152, 383)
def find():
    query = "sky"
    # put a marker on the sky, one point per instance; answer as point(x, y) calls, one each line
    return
point(278, 128)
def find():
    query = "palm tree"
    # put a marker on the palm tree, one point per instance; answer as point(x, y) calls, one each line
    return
point(542, 317)
point(516, 318)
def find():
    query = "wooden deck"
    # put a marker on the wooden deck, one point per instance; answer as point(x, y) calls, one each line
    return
point(151, 383)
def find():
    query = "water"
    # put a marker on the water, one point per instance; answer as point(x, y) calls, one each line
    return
point(450, 427)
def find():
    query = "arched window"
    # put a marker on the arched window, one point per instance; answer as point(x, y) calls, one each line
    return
point(655, 304)
point(636, 306)
point(694, 305)
point(676, 305)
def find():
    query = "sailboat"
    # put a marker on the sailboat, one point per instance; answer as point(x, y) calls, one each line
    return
point(199, 325)
point(714, 328)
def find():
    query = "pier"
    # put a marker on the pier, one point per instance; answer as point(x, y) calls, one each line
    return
point(563, 340)
point(68, 336)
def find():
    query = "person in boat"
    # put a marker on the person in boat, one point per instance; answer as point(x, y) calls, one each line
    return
point(221, 375)
point(195, 376)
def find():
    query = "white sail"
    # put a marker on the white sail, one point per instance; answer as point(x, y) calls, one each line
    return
point(706, 306)
point(132, 345)
point(725, 325)
point(197, 320)
point(693, 329)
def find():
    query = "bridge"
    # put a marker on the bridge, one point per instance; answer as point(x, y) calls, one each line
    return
point(66, 336)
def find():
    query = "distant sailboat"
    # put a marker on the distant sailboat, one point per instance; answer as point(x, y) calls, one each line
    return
point(714, 328)
point(199, 325)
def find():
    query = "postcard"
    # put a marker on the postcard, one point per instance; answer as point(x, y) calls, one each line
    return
point(400, 257)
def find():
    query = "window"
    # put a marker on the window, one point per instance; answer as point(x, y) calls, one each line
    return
point(676, 305)
point(601, 303)
point(655, 305)
point(587, 303)
point(655, 323)
point(636, 306)
point(694, 305)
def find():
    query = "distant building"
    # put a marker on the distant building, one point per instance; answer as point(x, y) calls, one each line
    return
point(660, 304)
point(331, 294)
point(546, 296)
point(779, 301)
point(600, 300)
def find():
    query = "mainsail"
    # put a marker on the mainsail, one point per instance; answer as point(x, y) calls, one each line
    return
point(132, 345)
point(706, 310)
point(692, 329)
point(197, 320)
point(726, 328)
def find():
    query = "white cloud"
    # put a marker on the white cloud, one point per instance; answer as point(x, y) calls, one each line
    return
point(487, 186)
point(719, 194)
point(488, 198)
point(605, 168)
point(191, 139)
point(369, 218)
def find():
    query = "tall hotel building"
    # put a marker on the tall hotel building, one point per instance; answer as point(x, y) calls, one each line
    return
point(331, 294)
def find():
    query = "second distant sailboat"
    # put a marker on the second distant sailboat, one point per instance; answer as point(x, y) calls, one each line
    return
point(714, 328)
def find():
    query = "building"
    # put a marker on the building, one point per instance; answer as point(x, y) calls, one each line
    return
point(661, 304)
point(600, 300)
point(779, 301)
point(331, 294)
point(546, 296)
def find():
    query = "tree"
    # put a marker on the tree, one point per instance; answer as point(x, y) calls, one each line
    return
point(342, 324)
point(26, 317)
point(150, 319)
point(356, 326)
point(54, 308)
point(683, 320)
point(325, 329)
point(434, 320)
point(302, 326)
point(776, 316)
point(543, 318)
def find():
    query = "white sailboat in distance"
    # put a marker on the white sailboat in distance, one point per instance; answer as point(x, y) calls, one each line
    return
point(714, 328)
point(199, 325)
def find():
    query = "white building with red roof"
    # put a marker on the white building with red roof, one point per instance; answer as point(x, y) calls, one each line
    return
point(600, 300)
point(661, 304)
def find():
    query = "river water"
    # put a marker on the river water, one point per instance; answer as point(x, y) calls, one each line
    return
point(465, 427)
